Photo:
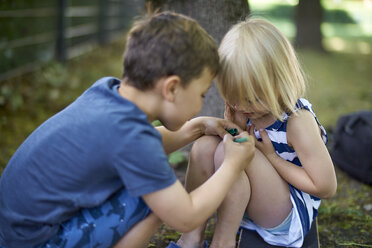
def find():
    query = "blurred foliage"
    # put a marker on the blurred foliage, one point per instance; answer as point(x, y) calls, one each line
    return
point(28, 29)
point(25, 4)
point(337, 83)
point(288, 12)
point(177, 158)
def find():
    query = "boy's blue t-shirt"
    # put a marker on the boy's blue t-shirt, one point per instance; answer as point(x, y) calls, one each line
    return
point(77, 159)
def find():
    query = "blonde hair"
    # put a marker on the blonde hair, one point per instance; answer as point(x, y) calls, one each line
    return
point(259, 66)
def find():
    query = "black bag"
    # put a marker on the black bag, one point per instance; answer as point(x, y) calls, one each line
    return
point(352, 145)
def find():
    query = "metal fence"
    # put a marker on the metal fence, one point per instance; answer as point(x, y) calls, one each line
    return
point(34, 32)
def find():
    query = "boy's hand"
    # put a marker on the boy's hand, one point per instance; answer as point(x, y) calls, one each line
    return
point(235, 116)
point(265, 146)
point(238, 154)
point(217, 126)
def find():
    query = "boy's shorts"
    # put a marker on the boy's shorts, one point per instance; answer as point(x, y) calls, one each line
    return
point(101, 226)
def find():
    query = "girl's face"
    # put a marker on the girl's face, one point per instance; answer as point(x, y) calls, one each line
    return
point(251, 111)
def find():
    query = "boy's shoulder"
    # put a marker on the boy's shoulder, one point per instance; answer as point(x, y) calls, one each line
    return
point(109, 81)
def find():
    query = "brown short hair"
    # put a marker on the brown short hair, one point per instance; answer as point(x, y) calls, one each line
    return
point(167, 44)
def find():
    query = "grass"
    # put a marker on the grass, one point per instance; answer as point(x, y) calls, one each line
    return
point(339, 83)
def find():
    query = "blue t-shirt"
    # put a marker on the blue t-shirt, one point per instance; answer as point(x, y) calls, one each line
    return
point(77, 159)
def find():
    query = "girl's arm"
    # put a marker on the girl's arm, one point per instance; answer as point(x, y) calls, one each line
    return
point(317, 176)
point(192, 130)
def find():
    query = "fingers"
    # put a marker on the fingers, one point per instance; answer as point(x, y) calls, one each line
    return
point(227, 138)
point(239, 153)
point(251, 132)
point(220, 127)
point(228, 114)
point(264, 136)
point(228, 125)
point(246, 135)
point(240, 138)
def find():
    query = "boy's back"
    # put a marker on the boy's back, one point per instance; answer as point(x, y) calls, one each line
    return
point(77, 159)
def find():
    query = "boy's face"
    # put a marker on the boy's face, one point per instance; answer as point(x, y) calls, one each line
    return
point(188, 101)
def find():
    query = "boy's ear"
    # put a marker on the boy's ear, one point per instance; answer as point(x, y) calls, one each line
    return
point(171, 87)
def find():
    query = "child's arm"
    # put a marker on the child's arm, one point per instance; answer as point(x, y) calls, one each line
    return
point(192, 130)
point(185, 211)
point(317, 176)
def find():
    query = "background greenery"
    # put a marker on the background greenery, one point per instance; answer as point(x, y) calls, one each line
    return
point(339, 83)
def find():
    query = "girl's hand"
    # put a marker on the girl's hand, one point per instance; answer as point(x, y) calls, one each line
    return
point(265, 146)
point(229, 113)
point(235, 116)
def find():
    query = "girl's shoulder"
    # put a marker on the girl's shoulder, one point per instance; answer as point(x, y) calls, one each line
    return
point(301, 103)
point(304, 119)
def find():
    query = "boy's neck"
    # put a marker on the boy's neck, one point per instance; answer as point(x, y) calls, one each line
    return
point(148, 101)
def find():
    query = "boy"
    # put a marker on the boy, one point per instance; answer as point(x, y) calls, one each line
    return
point(89, 175)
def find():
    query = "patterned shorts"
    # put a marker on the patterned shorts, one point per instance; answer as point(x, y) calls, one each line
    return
point(101, 226)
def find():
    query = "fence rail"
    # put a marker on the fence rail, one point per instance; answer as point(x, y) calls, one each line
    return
point(58, 30)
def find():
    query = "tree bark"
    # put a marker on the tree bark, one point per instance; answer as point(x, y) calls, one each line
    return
point(216, 17)
point(309, 17)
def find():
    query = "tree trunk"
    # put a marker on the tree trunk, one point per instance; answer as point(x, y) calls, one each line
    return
point(309, 17)
point(216, 17)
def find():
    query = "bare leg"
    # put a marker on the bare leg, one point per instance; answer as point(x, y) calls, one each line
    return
point(261, 192)
point(270, 201)
point(231, 211)
point(139, 235)
point(200, 168)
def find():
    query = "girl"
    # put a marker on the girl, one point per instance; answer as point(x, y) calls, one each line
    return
point(280, 190)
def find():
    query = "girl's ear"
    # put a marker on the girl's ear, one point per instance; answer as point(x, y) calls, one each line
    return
point(170, 87)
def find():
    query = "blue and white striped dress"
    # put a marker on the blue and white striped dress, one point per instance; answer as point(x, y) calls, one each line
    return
point(305, 206)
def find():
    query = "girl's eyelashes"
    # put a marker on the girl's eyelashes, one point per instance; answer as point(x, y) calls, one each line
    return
point(203, 96)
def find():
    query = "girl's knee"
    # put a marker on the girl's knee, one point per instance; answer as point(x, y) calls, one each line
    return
point(205, 147)
point(219, 155)
point(201, 165)
point(259, 160)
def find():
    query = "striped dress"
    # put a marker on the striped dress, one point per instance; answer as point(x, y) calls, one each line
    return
point(305, 206)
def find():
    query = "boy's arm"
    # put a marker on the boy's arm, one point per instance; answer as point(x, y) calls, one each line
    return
point(185, 211)
point(140, 234)
point(192, 130)
point(316, 176)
